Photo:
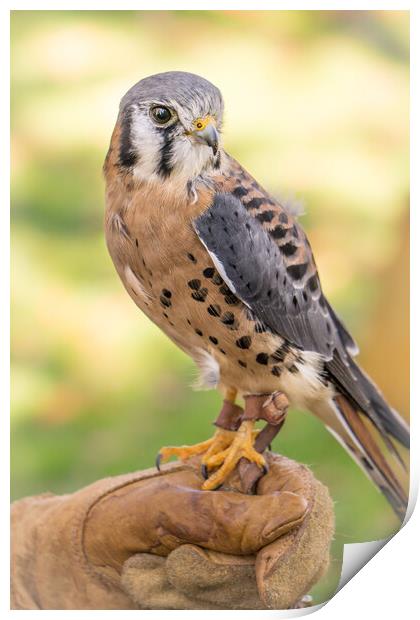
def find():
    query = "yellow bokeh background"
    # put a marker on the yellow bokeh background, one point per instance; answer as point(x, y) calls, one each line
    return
point(317, 107)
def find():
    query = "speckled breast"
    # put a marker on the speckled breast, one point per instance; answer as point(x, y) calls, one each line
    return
point(170, 276)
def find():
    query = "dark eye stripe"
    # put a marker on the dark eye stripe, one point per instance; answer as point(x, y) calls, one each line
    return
point(127, 154)
point(165, 166)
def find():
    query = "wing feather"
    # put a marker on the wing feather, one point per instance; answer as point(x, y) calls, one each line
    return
point(280, 285)
point(256, 270)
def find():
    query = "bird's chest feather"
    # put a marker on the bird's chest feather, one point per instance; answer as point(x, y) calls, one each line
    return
point(160, 258)
point(171, 277)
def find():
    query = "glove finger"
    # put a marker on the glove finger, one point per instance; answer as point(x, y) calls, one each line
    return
point(288, 568)
point(224, 580)
point(224, 521)
point(164, 511)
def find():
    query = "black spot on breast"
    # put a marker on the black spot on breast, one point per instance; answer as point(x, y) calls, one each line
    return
point(225, 290)
point(231, 300)
point(240, 191)
point(295, 231)
point(166, 293)
point(188, 321)
point(276, 371)
point(288, 249)
point(200, 295)
point(165, 302)
point(262, 358)
point(297, 271)
point(137, 243)
point(244, 342)
point(293, 369)
point(213, 340)
point(214, 310)
point(217, 280)
point(229, 320)
point(241, 363)
point(191, 257)
point(265, 216)
point(198, 332)
point(283, 217)
point(278, 232)
point(194, 284)
point(279, 354)
point(209, 272)
point(222, 351)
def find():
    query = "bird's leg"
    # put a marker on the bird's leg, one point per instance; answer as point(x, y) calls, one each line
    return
point(246, 449)
point(227, 424)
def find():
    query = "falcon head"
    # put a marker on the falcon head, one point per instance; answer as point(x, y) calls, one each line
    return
point(170, 127)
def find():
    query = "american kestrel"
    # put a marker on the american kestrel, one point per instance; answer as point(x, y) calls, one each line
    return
point(226, 271)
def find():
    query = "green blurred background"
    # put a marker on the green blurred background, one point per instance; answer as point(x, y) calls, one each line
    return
point(316, 107)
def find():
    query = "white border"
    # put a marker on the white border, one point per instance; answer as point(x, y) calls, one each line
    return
point(385, 587)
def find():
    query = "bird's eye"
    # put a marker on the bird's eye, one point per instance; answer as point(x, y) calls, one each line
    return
point(161, 114)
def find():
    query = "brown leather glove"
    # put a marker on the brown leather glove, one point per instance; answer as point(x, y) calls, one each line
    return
point(156, 541)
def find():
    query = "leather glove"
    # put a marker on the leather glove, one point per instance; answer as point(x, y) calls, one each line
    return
point(156, 541)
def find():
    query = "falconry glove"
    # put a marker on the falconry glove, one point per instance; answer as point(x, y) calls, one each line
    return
point(157, 541)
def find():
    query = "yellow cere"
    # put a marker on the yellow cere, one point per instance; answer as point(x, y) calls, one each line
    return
point(201, 123)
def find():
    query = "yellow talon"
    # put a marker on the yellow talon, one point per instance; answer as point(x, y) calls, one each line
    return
point(242, 446)
point(220, 440)
point(182, 452)
point(223, 450)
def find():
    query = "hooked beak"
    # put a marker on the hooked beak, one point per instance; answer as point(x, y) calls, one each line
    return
point(209, 136)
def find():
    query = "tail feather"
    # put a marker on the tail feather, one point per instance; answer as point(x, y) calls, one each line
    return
point(368, 455)
point(392, 422)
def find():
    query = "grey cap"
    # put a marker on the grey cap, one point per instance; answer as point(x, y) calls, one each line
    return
point(178, 86)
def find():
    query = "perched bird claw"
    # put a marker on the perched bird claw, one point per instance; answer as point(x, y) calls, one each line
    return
point(227, 271)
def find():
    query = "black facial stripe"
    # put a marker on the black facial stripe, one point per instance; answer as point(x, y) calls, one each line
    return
point(127, 155)
point(165, 164)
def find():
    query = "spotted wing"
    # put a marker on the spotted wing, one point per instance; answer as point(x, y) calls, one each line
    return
point(278, 282)
point(265, 259)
